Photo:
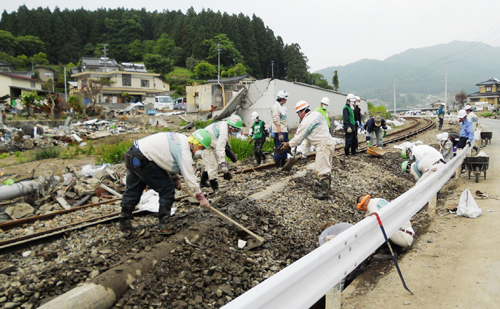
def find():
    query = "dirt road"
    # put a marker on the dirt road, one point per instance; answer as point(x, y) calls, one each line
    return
point(457, 263)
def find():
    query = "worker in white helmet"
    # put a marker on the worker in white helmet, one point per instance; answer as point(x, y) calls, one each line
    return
point(258, 133)
point(419, 152)
point(466, 130)
point(323, 110)
point(313, 127)
point(471, 116)
point(445, 146)
point(280, 126)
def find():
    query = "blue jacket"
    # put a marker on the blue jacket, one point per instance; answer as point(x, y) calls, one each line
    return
point(370, 125)
point(466, 130)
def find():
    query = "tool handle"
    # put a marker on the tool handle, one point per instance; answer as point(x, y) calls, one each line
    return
point(228, 219)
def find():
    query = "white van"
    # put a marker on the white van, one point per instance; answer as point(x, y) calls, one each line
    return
point(164, 102)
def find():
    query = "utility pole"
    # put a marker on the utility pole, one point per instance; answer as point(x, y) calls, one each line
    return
point(104, 49)
point(394, 97)
point(446, 84)
point(218, 63)
point(272, 68)
point(65, 88)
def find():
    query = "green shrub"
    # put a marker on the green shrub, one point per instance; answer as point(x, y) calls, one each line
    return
point(245, 150)
point(112, 153)
point(47, 153)
point(487, 114)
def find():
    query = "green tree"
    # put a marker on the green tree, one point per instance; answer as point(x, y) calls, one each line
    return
point(29, 101)
point(29, 45)
point(205, 70)
point(136, 50)
point(335, 81)
point(39, 59)
point(240, 69)
point(296, 63)
point(158, 64)
point(164, 46)
point(7, 42)
point(76, 103)
point(191, 63)
point(228, 53)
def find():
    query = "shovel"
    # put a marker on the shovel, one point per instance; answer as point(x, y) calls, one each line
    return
point(289, 164)
point(260, 239)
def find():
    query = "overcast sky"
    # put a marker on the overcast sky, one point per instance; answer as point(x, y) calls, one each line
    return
point(333, 32)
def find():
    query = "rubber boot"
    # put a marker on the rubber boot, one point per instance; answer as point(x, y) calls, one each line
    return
point(264, 159)
point(125, 224)
point(214, 184)
point(283, 162)
point(204, 180)
point(164, 222)
point(277, 163)
point(325, 185)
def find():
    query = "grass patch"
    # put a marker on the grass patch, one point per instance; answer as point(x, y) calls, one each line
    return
point(487, 114)
point(47, 153)
point(244, 150)
point(4, 155)
point(200, 124)
point(112, 153)
point(75, 151)
point(180, 73)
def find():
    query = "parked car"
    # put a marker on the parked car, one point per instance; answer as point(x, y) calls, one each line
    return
point(132, 107)
point(180, 103)
point(163, 102)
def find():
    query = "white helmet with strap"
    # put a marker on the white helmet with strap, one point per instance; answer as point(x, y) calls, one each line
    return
point(255, 115)
point(301, 105)
point(282, 94)
point(325, 101)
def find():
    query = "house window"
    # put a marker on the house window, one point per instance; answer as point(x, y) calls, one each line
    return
point(33, 85)
point(488, 89)
point(144, 83)
point(126, 80)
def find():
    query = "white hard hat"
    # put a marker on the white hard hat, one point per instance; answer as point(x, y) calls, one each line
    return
point(351, 97)
point(358, 98)
point(325, 101)
point(444, 104)
point(301, 105)
point(255, 115)
point(282, 94)
point(439, 136)
point(468, 107)
point(444, 136)
point(462, 113)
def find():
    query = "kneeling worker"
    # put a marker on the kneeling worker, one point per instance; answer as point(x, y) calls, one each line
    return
point(402, 239)
point(313, 127)
point(152, 161)
point(422, 168)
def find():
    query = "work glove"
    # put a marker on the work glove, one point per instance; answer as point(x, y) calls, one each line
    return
point(468, 144)
point(203, 201)
point(349, 130)
point(280, 136)
point(224, 169)
point(368, 144)
point(385, 133)
point(361, 125)
point(285, 145)
point(250, 141)
point(177, 182)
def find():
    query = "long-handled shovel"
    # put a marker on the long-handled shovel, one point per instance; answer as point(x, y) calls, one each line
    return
point(260, 239)
point(392, 253)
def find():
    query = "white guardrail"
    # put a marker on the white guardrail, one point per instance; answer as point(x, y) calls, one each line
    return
point(305, 281)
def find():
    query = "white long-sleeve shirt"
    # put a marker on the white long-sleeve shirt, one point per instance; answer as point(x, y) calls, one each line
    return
point(220, 135)
point(425, 151)
point(472, 117)
point(420, 167)
point(278, 119)
point(376, 204)
point(171, 152)
point(314, 128)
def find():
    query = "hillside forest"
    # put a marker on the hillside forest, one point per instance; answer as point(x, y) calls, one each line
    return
point(162, 40)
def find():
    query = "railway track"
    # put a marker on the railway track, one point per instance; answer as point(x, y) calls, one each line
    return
point(419, 125)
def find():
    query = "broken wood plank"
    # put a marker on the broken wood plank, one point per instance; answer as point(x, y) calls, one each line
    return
point(63, 202)
point(80, 202)
point(110, 190)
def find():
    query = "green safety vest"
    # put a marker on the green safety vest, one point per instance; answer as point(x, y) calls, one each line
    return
point(258, 129)
point(324, 112)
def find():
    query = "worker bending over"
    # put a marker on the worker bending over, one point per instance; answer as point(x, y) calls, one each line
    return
point(419, 152)
point(445, 146)
point(216, 153)
point(156, 161)
point(313, 127)
point(402, 238)
point(422, 168)
point(376, 126)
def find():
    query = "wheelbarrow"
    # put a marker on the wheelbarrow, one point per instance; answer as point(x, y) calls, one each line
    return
point(476, 165)
point(486, 138)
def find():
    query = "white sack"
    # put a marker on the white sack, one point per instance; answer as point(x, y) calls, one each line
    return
point(467, 207)
point(150, 201)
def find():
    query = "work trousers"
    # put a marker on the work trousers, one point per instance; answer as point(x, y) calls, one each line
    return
point(257, 149)
point(350, 144)
point(379, 133)
point(402, 239)
point(141, 173)
point(211, 166)
point(324, 153)
point(441, 120)
point(282, 156)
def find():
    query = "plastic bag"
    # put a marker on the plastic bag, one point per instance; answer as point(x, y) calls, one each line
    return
point(88, 170)
point(467, 207)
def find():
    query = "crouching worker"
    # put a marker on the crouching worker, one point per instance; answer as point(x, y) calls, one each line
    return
point(422, 168)
point(313, 127)
point(400, 241)
point(156, 161)
point(216, 153)
point(258, 133)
